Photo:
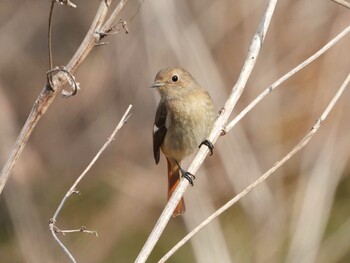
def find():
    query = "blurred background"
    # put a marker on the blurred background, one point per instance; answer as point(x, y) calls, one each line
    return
point(300, 214)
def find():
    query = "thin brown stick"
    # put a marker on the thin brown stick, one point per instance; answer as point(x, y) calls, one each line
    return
point(47, 95)
point(49, 31)
point(343, 3)
point(52, 224)
point(219, 124)
point(262, 178)
point(49, 35)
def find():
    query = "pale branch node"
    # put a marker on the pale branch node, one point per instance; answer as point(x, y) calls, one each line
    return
point(220, 122)
point(343, 3)
point(113, 30)
point(82, 229)
point(125, 26)
point(47, 95)
point(53, 229)
point(66, 2)
point(99, 44)
point(70, 79)
point(73, 189)
point(278, 83)
point(304, 141)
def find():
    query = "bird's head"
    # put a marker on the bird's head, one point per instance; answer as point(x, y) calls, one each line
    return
point(174, 81)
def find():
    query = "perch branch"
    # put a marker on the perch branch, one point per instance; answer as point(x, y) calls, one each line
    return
point(262, 178)
point(219, 124)
point(72, 190)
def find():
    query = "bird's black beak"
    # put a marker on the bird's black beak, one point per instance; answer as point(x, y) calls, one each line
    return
point(157, 85)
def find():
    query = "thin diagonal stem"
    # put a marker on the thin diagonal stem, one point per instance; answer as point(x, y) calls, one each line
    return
point(73, 187)
point(278, 83)
point(303, 142)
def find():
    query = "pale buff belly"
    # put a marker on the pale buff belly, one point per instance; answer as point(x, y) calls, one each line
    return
point(190, 130)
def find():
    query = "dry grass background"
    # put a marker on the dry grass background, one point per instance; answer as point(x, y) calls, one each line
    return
point(301, 214)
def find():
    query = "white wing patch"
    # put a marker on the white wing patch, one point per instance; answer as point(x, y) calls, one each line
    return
point(155, 129)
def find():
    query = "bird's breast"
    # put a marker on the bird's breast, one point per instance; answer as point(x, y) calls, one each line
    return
point(188, 124)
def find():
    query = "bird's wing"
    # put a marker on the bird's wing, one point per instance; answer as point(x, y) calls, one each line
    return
point(159, 130)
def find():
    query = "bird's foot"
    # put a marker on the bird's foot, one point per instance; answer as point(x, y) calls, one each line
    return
point(187, 175)
point(209, 145)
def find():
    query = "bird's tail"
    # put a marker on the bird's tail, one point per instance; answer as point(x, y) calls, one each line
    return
point(173, 181)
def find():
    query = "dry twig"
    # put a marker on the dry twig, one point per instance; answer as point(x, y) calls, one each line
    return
point(277, 83)
point(52, 223)
point(236, 92)
point(48, 94)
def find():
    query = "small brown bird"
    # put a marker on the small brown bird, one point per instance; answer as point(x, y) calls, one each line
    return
point(184, 118)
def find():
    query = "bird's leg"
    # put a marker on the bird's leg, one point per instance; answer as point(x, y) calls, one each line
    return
point(209, 145)
point(187, 175)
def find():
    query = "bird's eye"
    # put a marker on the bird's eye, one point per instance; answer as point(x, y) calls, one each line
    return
point(175, 78)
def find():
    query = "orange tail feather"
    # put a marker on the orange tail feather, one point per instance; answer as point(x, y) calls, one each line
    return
point(173, 181)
